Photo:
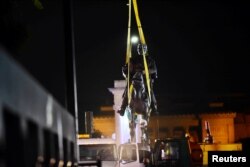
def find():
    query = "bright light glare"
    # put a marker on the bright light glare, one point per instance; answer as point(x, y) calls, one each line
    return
point(134, 39)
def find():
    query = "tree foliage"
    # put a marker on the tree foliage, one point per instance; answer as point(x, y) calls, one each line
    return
point(96, 134)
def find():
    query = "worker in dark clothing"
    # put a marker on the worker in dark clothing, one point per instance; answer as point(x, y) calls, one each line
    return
point(136, 64)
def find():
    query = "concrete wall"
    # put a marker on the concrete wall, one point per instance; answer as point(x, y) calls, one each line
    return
point(242, 126)
point(222, 126)
point(105, 124)
point(225, 127)
point(168, 125)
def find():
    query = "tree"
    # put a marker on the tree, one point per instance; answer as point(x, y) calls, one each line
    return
point(96, 134)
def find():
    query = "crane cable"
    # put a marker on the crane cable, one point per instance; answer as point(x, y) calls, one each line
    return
point(129, 54)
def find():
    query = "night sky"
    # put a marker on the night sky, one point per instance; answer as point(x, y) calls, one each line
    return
point(201, 48)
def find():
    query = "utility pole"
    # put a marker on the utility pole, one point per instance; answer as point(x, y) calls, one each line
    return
point(70, 64)
point(71, 85)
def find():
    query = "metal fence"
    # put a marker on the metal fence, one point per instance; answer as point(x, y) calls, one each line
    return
point(34, 129)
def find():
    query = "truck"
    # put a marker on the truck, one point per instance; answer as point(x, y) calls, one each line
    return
point(176, 152)
point(103, 152)
point(97, 152)
point(134, 155)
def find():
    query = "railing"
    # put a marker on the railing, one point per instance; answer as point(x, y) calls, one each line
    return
point(34, 129)
point(96, 163)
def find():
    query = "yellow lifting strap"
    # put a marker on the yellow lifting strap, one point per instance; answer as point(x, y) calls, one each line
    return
point(128, 53)
point(142, 40)
point(130, 92)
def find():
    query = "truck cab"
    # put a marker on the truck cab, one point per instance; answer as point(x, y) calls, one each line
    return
point(172, 152)
point(134, 154)
point(97, 150)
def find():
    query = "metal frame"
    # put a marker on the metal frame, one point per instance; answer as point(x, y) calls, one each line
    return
point(26, 103)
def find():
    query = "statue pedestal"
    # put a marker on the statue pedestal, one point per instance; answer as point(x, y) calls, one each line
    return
point(121, 122)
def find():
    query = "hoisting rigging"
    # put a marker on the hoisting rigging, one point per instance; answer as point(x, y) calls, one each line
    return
point(129, 47)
